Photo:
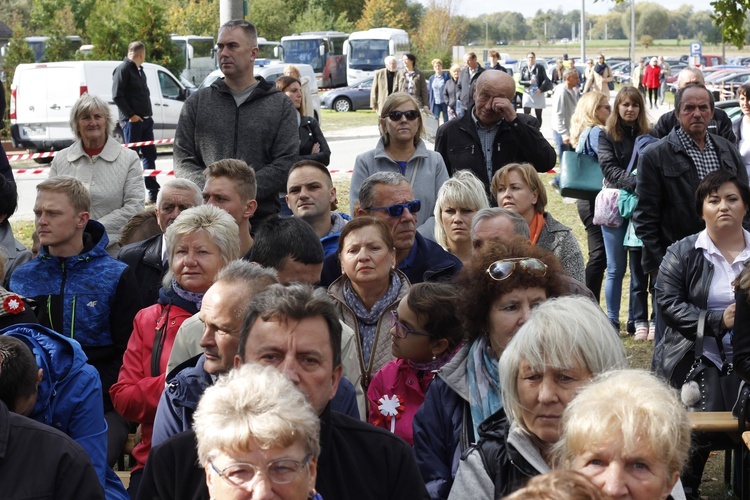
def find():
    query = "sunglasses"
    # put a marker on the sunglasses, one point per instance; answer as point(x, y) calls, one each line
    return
point(410, 115)
point(398, 209)
point(401, 330)
point(502, 269)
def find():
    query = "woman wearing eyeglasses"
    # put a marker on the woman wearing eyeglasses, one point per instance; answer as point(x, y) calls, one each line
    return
point(564, 344)
point(402, 150)
point(369, 288)
point(518, 187)
point(497, 289)
point(258, 437)
point(425, 333)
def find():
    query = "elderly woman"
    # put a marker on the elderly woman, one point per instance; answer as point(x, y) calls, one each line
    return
point(449, 92)
point(369, 289)
point(627, 432)
point(111, 173)
point(586, 127)
point(498, 288)
point(435, 87)
point(200, 242)
point(312, 143)
point(401, 149)
point(693, 290)
point(458, 201)
point(258, 437)
point(565, 343)
point(517, 187)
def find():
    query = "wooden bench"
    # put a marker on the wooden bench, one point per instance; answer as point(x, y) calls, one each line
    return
point(725, 423)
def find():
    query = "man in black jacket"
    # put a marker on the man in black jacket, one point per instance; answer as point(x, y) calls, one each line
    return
point(296, 329)
point(492, 134)
point(719, 124)
point(148, 258)
point(130, 93)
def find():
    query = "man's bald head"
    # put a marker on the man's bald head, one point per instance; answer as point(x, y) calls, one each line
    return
point(689, 76)
point(497, 84)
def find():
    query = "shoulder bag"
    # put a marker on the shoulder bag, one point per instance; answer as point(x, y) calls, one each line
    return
point(580, 174)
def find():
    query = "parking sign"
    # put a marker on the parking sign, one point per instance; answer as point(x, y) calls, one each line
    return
point(696, 49)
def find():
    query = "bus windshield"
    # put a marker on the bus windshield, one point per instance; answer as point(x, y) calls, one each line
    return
point(265, 51)
point(367, 55)
point(304, 51)
point(202, 48)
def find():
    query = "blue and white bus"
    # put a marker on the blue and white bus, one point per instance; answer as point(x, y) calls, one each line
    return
point(323, 50)
point(366, 50)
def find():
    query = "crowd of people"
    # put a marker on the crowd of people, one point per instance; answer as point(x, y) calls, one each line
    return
point(442, 340)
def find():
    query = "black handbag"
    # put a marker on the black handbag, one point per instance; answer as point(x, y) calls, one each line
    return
point(701, 389)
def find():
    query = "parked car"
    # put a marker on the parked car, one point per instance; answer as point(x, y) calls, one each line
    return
point(270, 73)
point(731, 107)
point(725, 86)
point(43, 94)
point(350, 98)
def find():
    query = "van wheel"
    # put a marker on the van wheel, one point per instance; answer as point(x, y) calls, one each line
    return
point(118, 135)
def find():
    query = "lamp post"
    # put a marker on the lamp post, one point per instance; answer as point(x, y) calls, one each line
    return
point(486, 34)
point(583, 27)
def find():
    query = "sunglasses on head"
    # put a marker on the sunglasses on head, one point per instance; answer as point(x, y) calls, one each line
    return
point(410, 115)
point(502, 269)
point(400, 330)
point(398, 209)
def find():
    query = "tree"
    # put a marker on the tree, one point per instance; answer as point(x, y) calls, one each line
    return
point(647, 41)
point(59, 48)
point(45, 13)
point(654, 20)
point(384, 13)
point(193, 17)
point(113, 25)
point(19, 52)
point(274, 17)
point(439, 31)
point(317, 17)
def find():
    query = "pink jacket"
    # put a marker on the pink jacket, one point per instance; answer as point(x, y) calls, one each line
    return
point(398, 378)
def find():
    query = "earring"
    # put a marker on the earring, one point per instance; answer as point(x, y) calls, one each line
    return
point(434, 357)
point(314, 495)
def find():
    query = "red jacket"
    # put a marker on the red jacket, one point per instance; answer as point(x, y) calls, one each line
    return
point(651, 77)
point(400, 379)
point(136, 393)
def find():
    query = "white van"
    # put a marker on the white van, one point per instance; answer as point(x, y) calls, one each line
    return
point(42, 96)
point(270, 73)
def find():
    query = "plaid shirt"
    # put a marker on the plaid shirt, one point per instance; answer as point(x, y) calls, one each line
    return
point(486, 139)
point(707, 160)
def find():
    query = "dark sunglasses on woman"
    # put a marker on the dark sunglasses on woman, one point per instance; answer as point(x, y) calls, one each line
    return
point(410, 115)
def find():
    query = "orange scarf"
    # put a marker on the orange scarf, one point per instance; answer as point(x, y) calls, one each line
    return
point(536, 227)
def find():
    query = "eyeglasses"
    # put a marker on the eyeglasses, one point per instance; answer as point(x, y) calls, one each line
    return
point(410, 115)
point(282, 471)
point(401, 330)
point(502, 269)
point(398, 209)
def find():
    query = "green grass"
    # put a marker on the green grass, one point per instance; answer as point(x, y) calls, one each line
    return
point(333, 120)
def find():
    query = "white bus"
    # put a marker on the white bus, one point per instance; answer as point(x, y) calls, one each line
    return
point(323, 50)
point(268, 52)
point(366, 50)
point(199, 55)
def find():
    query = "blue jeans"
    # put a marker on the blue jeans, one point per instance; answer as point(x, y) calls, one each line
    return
point(639, 290)
point(561, 146)
point(138, 132)
point(617, 258)
point(437, 109)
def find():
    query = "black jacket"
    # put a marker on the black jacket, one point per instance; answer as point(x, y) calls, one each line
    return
point(465, 86)
point(666, 184)
point(450, 93)
point(458, 143)
point(741, 336)
point(541, 76)
point(144, 258)
point(130, 91)
point(507, 468)
point(357, 461)
point(40, 462)
point(720, 124)
point(681, 294)
point(309, 134)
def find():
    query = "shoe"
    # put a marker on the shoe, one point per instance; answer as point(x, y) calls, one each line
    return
point(555, 183)
point(641, 333)
point(651, 331)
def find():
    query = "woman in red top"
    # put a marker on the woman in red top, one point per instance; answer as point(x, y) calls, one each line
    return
point(200, 242)
point(651, 82)
point(426, 333)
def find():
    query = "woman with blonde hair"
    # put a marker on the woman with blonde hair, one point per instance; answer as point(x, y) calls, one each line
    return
point(458, 201)
point(586, 127)
point(518, 187)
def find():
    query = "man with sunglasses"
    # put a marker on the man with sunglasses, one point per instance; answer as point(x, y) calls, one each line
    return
point(493, 134)
point(389, 197)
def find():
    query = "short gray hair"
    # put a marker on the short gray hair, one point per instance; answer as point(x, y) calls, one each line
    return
point(181, 185)
point(220, 226)
point(560, 333)
point(254, 404)
point(520, 226)
point(568, 72)
point(367, 189)
point(464, 190)
point(389, 59)
point(86, 104)
point(251, 276)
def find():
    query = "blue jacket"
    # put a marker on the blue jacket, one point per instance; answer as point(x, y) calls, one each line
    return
point(330, 241)
point(445, 77)
point(187, 383)
point(69, 397)
point(90, 297)
point(427, 261)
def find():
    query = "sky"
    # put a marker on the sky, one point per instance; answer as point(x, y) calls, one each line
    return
point(473, 8)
